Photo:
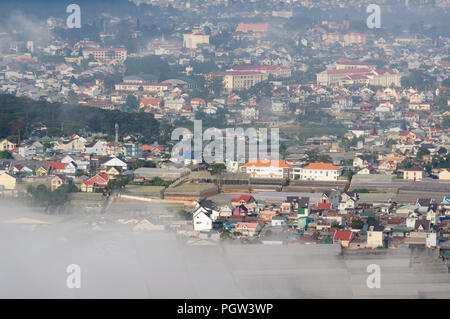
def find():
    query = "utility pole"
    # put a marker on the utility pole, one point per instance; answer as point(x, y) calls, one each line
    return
point(116, 144)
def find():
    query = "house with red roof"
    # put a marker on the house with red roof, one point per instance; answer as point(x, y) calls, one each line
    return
point(232, 99)
point(62, 168)
point(240, 210)
point(323, 206)
point(255, 28)
point(197, 103)
point(243, 200)
point(99, 181)
point(154, 103)
point(247, 228)
point(153, 149)
point(388, 165)
point(267, 215)
point(343, 237)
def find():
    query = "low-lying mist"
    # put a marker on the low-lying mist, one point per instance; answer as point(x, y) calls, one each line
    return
point(117, 262)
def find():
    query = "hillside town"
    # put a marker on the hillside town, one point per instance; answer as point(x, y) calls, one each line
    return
point(363, 115)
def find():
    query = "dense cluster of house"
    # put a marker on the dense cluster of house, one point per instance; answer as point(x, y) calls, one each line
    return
point(89, 165)
point(333, 217)
point(346, 85)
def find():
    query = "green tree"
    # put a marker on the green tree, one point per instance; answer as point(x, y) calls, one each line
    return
point(406, 163)
point(357, 223)
point(313, 156)
point(446, 82)
point(48, 145)
point(5, 155)
point(442, 150)
point(421, 152)
point(185, 214)
point(446, 122)
point(142, 163)
point(418, 80)
point(225, 234)
point(217, 168)
point(117, 182)
point(132, 102)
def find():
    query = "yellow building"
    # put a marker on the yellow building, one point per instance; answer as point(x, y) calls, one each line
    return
point(42, 171)
point(6, 145)
point(242, 80)
point(145, 87)
point(413, 173)
point(7, 181)
point(192, 40)
point(444, 175)
point(55, 183)
point(374, 238)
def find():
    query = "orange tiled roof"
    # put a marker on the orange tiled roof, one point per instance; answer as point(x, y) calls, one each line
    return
point(267, 163)
point(247, 225)
point(321, 166)
point(244, 27)
point(343, 235)
point(150, 101)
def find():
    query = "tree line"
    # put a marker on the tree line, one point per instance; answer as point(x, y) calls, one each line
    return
point(22, 115)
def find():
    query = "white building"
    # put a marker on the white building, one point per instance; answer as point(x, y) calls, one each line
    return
point(114, 162)
point(318, 172)
point(106, 54)
point(193, 40)
point(205, 212)
point(266, 169)
point(6, 145)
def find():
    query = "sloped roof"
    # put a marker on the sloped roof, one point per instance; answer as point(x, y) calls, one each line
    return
point(343, 235)
point(259, 163)
point(322, 166)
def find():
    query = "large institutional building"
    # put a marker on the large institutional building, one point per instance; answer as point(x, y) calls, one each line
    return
point(317, 172)
point(355, 74)
point(277, 71)
point(346, 39)
point(236, 80)
point(145, 87)
point(193, 40)
point(106, 54)
point(280, 169)
point(266, 169)
point(245, 76)
point(255, 28)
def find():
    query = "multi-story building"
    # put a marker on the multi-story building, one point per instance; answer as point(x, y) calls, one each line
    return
point(277, 71)
point(346, 64)
point(266, 169)
point(193, 40)
point(346, 39)
point(255, 28)
point(145, 87)
point(317, 172)
point(384, 78)
point(235, 80)
point(250, 113)
point(106, 54)
point(413, 173)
